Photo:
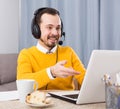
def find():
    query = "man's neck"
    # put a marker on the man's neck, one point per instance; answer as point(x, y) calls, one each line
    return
point(42, 48)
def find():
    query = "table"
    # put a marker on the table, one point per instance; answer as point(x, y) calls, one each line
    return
point(58, 104)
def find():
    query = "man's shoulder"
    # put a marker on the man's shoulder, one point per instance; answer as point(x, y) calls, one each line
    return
point(28, 50)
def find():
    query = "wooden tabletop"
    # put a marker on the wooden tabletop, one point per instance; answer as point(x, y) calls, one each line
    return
point(57, 104)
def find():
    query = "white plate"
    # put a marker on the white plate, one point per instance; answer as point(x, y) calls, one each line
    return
point(39, 105)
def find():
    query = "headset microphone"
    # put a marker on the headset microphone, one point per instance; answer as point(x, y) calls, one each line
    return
point(61, 42)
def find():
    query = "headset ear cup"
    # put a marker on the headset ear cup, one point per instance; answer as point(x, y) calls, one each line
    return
point(36, 31)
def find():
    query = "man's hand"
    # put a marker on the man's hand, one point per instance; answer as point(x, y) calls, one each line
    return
point(58, 70)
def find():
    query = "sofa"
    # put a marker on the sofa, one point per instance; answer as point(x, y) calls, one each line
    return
point(8, 68)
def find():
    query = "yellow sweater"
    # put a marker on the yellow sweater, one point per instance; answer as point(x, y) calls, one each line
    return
point(32, 64)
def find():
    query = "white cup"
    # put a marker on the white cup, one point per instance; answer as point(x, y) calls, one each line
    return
point(24, 87)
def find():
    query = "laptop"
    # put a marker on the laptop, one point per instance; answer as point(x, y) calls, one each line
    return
point(93, 88)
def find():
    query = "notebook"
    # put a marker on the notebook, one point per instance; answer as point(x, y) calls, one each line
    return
point(93, 88)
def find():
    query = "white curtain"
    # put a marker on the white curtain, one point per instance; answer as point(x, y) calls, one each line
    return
point(110, 24)
point(89, 24)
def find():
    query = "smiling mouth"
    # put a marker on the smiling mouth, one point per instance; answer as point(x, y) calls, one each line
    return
point(53, 39)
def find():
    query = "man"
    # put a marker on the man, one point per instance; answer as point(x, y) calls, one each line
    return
point(51, 65)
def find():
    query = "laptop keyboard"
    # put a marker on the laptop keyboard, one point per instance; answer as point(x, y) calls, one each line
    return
point(74, 96)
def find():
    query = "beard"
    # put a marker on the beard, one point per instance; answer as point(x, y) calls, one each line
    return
point(51, 41)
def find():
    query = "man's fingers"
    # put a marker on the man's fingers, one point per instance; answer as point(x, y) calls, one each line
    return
point(70, 71)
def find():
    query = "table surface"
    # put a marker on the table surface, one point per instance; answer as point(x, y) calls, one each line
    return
point(57, 104)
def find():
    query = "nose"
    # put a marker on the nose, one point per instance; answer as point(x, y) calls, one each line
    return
point(55, 32)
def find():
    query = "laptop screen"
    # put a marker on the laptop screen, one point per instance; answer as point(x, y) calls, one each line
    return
point(101, 62)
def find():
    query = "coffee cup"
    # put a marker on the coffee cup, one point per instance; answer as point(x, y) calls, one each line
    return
point(24, 87)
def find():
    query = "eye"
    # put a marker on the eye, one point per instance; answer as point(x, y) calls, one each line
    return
point(49, 27)
point(58, 28)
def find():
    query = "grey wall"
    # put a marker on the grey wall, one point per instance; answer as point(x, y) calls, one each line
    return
point(9, 26)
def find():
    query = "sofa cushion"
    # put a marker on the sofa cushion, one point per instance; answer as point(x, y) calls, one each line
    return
point(8, 86)
point(8, 64)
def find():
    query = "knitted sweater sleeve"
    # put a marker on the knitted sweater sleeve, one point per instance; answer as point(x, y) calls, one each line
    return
point(25, 70)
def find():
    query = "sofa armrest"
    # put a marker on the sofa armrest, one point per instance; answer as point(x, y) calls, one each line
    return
point(8, 66)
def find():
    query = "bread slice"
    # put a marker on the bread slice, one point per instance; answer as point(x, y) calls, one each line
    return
point(36, 97)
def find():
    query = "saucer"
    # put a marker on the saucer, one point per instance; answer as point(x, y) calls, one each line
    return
point(40, 105)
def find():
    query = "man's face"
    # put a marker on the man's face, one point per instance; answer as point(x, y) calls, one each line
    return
point(50, 28)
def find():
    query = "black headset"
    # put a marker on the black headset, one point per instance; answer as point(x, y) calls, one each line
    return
point(35, 29)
